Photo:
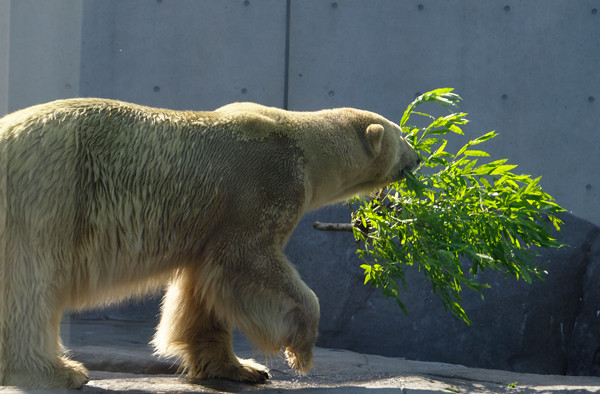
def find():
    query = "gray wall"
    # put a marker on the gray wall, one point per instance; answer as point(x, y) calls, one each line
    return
point(528, 69)
point(44, 44)
point(184, 54)
point(4, 45)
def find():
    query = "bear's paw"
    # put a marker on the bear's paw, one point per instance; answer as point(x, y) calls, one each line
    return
point(244, 370)
point(66, 374)
point(74, 374)
point(300, 361)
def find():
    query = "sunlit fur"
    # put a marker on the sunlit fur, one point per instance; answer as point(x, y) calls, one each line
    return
point(102, 200)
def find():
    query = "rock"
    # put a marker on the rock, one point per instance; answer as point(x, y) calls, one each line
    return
point(550, 326)
point(123, 360)
point(334, 371)
point(583, 352)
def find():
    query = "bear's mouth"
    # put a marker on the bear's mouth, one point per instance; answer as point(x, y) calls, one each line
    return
point(401, 174)
point(409, 168)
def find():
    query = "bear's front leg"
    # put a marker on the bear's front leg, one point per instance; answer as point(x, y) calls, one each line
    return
point(261, 292)
point(200, 338)
point(276, 309)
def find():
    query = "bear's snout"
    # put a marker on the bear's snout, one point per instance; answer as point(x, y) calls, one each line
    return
point(414, 165)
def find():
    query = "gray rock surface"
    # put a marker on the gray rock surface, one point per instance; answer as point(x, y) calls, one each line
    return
point(341, 371)
point(120, 362)
point(551, 326)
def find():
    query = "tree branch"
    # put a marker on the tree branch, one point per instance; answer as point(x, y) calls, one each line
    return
point(332, 226)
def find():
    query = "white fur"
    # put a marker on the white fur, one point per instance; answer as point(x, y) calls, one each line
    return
point(102, 200)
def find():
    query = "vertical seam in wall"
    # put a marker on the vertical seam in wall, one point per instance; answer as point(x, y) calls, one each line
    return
point(80, 54)
point(286, 71)
point(5, 71)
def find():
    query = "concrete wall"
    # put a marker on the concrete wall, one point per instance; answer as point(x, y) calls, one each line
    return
point(525, 69)
point(44, 43)
point(184, 54)
point(4, 45)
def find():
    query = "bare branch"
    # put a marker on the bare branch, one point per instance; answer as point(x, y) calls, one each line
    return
point(332, 226)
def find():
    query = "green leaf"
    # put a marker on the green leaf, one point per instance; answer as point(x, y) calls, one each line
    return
point(475, 153)
point(483, 138)
point(413, 184)
point(502, 169)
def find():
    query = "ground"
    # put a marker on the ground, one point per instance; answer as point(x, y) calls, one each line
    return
point(120, 361)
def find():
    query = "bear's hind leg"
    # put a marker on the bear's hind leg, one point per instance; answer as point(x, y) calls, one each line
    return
point(61, 373)
point(201, 340)
point(31, 353)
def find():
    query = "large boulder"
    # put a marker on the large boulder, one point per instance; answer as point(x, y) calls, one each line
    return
point(550, 326)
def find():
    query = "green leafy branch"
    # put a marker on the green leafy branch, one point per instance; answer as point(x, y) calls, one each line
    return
point(453, 217)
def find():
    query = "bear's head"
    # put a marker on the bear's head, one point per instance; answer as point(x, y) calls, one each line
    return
point(390, 152)
point(357, 152)
point(380, 155)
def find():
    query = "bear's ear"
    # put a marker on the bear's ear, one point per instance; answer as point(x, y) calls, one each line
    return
point(374, 136)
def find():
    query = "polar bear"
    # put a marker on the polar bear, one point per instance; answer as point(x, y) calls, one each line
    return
point(101, 200)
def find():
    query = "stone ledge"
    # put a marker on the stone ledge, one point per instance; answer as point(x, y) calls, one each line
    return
point(335, 371)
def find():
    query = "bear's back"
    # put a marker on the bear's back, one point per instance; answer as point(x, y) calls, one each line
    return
point(104, 165)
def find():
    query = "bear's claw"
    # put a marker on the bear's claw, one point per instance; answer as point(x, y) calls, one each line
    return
point(247, 371)
point(251, 372)
point(67, 374)
point(301, 362)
